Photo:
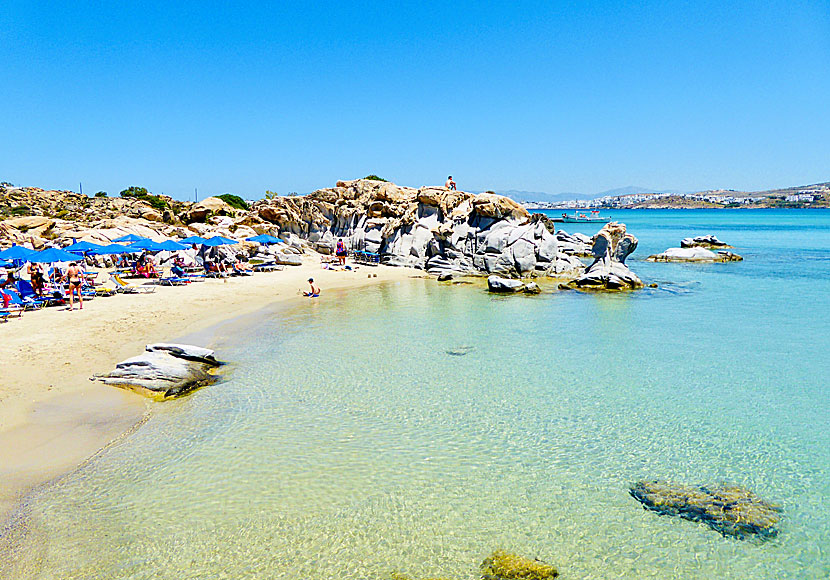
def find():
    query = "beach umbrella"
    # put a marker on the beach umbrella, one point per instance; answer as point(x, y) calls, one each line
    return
point(265, 239)
point(5, 264)
point(146, 244)
point(82, 247)
point(113, 249)
point(172, 246)
point(16, 253)
point(52, 255)
point(219, 241)
point(131, 238)
point(192, 240)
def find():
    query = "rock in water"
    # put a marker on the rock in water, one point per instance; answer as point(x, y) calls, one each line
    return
point(693, 254)
point(460, 350)
point(501, 565)
point(611, 246)
point(708, 241)
point(532, 288)
point(164, 370)
point(499, 284)
point(729, 509)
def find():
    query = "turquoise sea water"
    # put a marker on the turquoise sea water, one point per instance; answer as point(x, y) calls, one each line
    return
point(347, 443)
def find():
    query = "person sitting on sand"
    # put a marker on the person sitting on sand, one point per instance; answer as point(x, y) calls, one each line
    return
point(313, 290)
point(340, 252)
point(74, 277)
point(450, 184)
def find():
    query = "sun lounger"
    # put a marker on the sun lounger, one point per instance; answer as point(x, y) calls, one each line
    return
point(271, 267)
point(28, 295)
point(131, 288)
point(25, 303)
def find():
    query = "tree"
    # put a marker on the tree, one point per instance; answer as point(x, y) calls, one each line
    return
point(233, 201)
point(101, 194)
point(374, 177)
point(135, 191)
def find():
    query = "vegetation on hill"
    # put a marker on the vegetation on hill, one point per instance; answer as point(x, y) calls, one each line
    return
point(135, 192)
point(234, 201)
point(374, 177)
point(101, 194)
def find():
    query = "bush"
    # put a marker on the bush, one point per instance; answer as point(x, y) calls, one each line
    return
point(374, 177)
point(20, 210)
point(135, 192)
point(233, 201)
point(101, 194)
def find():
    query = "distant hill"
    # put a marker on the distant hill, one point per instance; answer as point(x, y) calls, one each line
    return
point(632, 190)
point(524, 196)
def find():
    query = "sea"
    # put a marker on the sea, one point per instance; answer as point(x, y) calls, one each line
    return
point(411, 429)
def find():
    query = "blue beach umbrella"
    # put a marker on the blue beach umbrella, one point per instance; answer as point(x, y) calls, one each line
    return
point(192, 240)
point(265, 239)
point(82, 247)
point(52, 255)
point(5, 264)
point(113, 249)
point(146, 245)
point(16, 253)
point(172, 246)
point(131, 238)
point(219, 241)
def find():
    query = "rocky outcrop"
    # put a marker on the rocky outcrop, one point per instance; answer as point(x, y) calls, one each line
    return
point(729, 509)
point(501, 285)
point(574, 244)
point(693, 254)
point(610, 248)
point(164, 370)
point(432, 228)
point(502, 565)
point(708, 241)
point(210, 206)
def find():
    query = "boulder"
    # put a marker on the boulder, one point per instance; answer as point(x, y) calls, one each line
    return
point(209, 206)
point(499, 284)
point(610, 247)
point(532, 288)
point(729, 509)
point(164, 370)
point(287, 259)
point(708, 241)
point(502, 565)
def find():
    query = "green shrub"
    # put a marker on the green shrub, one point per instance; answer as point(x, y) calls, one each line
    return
point(374, 177)
point(20, 210)
point(101, 194)
point(233, 201)
point(135, 191)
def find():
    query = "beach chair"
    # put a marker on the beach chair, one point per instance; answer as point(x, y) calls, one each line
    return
point(168, 279)
point(12, 310)
point(26, 304)
point(28, 295)
point(131, 288)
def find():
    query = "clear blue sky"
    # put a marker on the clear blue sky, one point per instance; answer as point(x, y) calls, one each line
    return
point(541, 96)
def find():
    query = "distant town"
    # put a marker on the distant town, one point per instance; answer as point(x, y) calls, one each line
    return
point(808, 196)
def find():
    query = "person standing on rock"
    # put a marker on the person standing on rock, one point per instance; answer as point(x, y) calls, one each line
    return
point(450, 183)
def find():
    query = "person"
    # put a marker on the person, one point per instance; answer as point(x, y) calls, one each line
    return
point(74, 276)
point(340, 252)
point(36, 277)
point(450, 183)
point(241, 268)
point(10, 281)
point(313, 290)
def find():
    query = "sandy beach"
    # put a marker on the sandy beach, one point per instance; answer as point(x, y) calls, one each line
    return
point(52, 417)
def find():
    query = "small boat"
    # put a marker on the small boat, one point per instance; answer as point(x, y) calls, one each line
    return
point(581, 217)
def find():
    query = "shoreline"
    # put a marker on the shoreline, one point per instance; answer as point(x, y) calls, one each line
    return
point(53, 417)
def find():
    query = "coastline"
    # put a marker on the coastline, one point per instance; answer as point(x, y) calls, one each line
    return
point(52, 417)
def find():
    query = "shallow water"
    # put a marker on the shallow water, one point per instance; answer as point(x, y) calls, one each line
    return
point(347, 442)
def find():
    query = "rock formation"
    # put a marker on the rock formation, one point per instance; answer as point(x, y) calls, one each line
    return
point(729, 509)
point(501, 285)
point(610, 247)
point(708, 241)
point(164, 370)
point(501, 565)
point(693, 254)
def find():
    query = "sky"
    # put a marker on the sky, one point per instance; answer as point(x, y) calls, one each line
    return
point(290, 97)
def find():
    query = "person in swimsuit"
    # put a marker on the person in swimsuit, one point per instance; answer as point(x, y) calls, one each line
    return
point(11, 283)
point(74, 277)
point(313, 290)
point(450, 184)
point(341, 252)
point(36, 277)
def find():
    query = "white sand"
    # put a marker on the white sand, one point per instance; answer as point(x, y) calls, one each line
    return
point(52, 416)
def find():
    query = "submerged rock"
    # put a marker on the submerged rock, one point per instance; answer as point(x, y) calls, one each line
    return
point(693, 255)
point(611, 246)
point(731, 510)
point(164, 370)
point(460, 350)
point(532, 288)
point(501, 565)
point(499, 284)
point(708, 241)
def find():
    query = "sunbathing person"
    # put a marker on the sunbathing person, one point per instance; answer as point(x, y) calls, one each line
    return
point(241, 268)
point(74, 276)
